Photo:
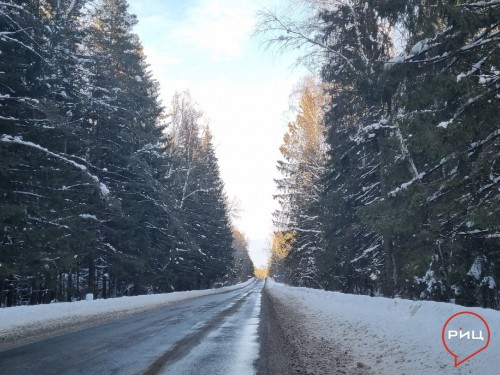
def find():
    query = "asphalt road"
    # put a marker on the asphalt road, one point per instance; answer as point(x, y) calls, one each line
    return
point(215, 334)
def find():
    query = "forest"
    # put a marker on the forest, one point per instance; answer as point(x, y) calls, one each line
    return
point(390, 171)
point(102, 189)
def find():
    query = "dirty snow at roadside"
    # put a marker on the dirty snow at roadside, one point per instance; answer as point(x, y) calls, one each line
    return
point(20, 321)
point(387, 336)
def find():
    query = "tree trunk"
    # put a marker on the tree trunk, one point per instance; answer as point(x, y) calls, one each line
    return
point(92, 288)
point(69, 290)
point(78, 281)
point(104, 281)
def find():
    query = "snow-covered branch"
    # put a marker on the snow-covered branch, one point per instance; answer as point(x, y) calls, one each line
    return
point(65, 158)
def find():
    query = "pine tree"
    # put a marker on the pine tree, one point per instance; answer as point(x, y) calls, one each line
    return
point(214, 222)
point(443, 88)
point(409, 200)
point(43, 176)
point(242, 268)
point(95, 196)
point(302, 167)
point(206, 256)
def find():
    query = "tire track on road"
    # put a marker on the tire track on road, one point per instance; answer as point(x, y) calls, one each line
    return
point(184, 346)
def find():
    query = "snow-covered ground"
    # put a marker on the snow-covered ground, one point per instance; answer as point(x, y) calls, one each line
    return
point(21, 322)
point(332, 332)
point(382, 335)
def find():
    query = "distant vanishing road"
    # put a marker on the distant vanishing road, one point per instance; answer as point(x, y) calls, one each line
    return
point(214, 334)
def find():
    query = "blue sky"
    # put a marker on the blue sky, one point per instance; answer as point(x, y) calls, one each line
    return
point(206, 46)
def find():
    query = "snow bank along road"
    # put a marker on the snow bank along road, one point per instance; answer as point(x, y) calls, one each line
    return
point(245, 329)
point(335, 333)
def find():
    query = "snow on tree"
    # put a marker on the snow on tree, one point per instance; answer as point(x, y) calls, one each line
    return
point(302, 167)
point(411, 183)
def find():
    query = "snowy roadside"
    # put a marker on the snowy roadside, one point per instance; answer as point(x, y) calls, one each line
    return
point(23, 324)
point(375, 335)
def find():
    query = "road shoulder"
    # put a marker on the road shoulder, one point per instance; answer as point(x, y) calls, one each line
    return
point(288, 347)
point(276, 355)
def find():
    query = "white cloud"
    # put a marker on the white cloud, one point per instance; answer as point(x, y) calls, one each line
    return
point(159, 58)
point(219, 26)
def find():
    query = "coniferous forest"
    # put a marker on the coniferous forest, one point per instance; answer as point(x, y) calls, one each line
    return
point(390, 170)
point(102, 190)
point(402, 196)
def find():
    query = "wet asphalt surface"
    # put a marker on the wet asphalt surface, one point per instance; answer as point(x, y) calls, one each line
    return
point(215, 334)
